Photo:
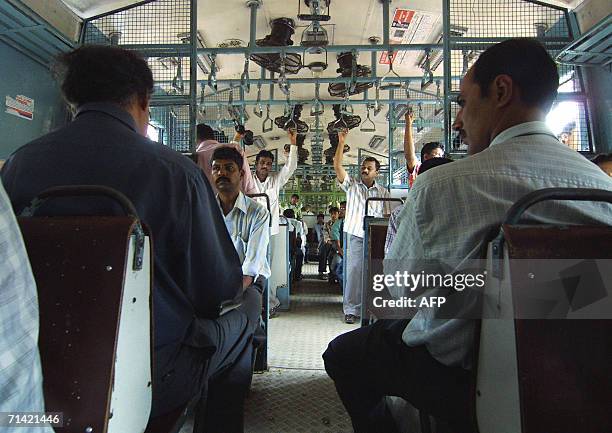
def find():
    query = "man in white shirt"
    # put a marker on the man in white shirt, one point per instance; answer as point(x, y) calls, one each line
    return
point(357, 191)
point(270, 184)
point(246, 220)
point(504, 99)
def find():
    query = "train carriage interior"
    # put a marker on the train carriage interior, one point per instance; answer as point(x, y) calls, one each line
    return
point(319, 68)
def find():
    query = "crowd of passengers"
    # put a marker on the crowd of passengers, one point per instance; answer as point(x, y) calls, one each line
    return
point(211, 240)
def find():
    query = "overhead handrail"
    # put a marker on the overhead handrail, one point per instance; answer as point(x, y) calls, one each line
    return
point(385, 84)
point(212, 75)
point(368, 128)
point(264, 126)
point(245, 81)
point(258, 108)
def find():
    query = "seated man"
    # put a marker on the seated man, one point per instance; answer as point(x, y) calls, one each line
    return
point(428, 360)
point(207, 145)
point(196, 268)
point(20, 373)
point(246, 220)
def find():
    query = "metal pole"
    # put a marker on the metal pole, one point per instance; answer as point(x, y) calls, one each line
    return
point(327, 102)
point(300, 49)
point(386, 5)
point(253, 5)
point(193, 74)
point(447, 71)
point(390, 136)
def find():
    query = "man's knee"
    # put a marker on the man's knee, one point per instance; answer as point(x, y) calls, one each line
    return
point(337, 357)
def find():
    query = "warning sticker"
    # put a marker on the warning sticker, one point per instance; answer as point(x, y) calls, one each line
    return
point(20, 106)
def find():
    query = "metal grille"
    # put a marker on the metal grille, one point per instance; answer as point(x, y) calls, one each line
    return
point(169, 78)
point(172, 124)
point(158, 22)
point(217, 116)
point(508, 18)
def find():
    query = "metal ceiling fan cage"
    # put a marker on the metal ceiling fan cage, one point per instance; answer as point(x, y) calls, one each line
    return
point(292, 120)
point(282, 30)
point(343, 121)
point(348, 68)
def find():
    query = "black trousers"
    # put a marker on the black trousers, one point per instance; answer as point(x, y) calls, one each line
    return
point(323, 253)
point(215, 363)
point(370, 363)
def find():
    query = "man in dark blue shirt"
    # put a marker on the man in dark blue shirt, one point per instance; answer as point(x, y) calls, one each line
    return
point(196, 265)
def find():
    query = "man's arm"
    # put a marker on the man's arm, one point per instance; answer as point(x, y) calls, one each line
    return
point(285, 173)
point(409, 152)
point(341, 173)
point(256, 255)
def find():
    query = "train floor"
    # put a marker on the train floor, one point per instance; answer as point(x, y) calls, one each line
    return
point(295, 395)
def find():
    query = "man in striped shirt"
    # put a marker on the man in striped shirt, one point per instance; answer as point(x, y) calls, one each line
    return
point(357, 191)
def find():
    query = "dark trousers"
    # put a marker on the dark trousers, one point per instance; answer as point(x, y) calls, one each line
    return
point(298, 261)
point(323, 253)
point(370, 363)
point(216, 363)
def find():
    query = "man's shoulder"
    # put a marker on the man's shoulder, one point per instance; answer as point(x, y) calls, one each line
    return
point(254, 207)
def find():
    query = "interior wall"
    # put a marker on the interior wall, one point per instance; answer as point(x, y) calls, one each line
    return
point(23, 76)
point(599, 87)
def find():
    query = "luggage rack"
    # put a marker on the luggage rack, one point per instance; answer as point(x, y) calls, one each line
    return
point(594, 48)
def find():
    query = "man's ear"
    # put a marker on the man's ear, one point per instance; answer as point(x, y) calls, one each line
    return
point(503, 86)
point(241, 173)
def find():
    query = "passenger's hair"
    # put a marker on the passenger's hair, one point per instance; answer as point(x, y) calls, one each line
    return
point(374, 160)
point(321, 216)
point(333, 209)
point(227, 153)
point(205, 132)
point(601, 158)
point(99, 73)
point(264, 154)
point(529, 65)
point(430, 147)
point(433, 162)
point(288, 213)
point(343, 202)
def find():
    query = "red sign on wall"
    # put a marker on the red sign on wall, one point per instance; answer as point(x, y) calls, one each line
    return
point(402, 18)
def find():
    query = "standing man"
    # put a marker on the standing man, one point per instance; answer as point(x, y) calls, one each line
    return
point(320, 232)
point(270, 184)
point(207, 145)
point(430, 150)
point(294, 204)
point(357, 191)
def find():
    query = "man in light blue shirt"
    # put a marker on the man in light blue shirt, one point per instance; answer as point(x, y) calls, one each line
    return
point(247, 221)
point(20, 372)
point(428, 361)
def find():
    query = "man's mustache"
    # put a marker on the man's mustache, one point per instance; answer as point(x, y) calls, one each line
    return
point(222, 179)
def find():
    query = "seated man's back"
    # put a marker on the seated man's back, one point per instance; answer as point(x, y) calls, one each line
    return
point(195, 265)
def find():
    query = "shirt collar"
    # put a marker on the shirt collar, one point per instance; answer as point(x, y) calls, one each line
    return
point(374, 185)
point(206, 143)
point(240, 204)
point(111, 109)
point(536, 127)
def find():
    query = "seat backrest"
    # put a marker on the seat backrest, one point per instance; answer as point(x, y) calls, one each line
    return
point(374, 254)
point(95, 320)
point(537, 374)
